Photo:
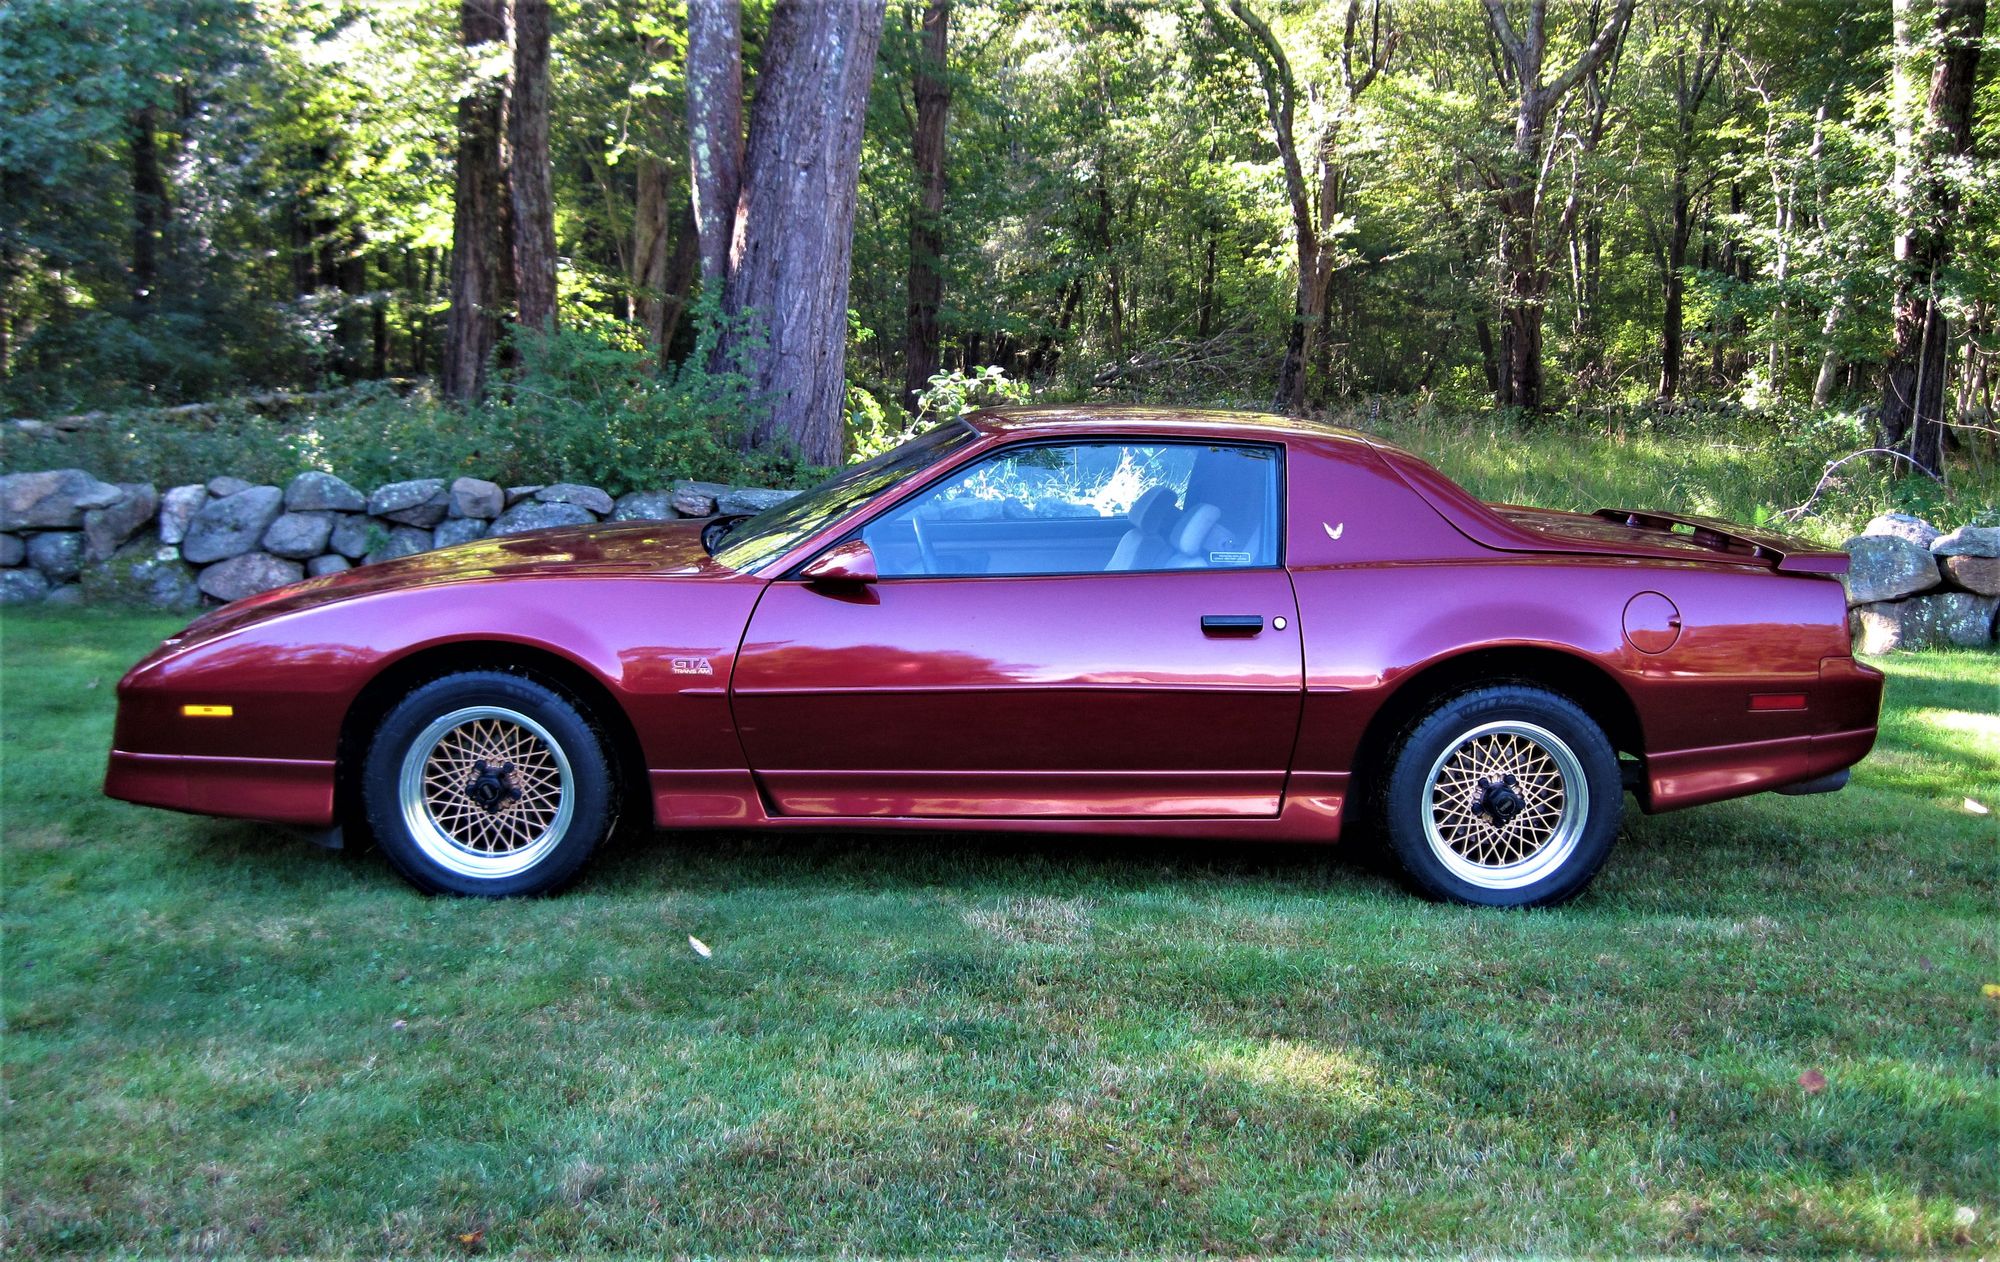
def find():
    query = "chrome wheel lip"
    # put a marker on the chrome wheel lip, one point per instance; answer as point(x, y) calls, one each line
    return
point(1563, 837)
point(446, 851)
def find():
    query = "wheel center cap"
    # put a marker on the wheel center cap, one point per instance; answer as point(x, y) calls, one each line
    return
point(1499, 799)
point(490, 788)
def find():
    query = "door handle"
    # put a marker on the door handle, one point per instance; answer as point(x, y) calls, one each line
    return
point(1232, 623)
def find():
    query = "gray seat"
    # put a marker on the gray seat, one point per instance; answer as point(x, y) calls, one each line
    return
point(1146, 546)
point(1196, 532)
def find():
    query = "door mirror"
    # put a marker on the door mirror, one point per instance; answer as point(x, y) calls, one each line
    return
point(850, 562)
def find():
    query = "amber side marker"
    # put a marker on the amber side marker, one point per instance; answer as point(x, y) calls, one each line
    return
point(207, 711)
point(1777, 701)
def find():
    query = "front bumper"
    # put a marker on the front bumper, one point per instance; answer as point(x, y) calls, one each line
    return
point(281, 790)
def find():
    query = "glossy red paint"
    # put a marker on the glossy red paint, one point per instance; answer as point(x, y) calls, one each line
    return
point(1086, 702)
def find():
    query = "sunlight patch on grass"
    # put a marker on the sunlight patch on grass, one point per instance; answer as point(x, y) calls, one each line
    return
point(1034, 921)
point(1982, 729)
point(1324, 1074)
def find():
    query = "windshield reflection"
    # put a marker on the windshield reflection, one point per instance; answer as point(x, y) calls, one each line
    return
point(750, 545)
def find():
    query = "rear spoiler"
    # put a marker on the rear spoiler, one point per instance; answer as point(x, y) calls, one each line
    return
point(1785, 552)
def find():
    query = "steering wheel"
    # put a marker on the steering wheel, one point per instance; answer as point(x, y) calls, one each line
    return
point(924, 549)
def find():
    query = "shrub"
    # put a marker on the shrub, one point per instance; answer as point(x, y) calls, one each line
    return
point(585, 403)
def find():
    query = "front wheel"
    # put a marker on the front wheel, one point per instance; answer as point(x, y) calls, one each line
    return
point(488, 784)
point(1506, 796)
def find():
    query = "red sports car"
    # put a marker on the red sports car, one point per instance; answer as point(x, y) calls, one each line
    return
point(1143, 622)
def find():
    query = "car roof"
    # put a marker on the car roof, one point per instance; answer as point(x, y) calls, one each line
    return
point(1057, 419)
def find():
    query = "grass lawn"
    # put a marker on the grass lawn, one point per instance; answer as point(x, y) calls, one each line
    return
point(220, 1039)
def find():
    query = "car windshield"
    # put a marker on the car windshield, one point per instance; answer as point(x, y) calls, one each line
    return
point(750, 545)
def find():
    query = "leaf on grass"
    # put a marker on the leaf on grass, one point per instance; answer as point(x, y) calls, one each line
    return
point(1813, 1081)
point(700, 947)
point(1991, 990)
point(399, 1024)
point(473, 1239)
point(1976, 808)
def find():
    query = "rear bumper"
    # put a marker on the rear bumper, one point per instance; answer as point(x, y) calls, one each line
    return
point(1845, 704)
point(281, 790)
point(1695, 777)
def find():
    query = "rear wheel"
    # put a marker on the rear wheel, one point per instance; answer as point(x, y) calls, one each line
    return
point(488, 784)
point(1506, 796)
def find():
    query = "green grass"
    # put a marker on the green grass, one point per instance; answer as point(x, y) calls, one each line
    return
point(219, 1039)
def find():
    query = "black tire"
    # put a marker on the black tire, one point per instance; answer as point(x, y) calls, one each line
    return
point(1485, 836)
point(537, 824)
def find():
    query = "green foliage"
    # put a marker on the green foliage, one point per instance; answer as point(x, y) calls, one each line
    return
point(585, 404)
point(1115, 227)
point(955, 393)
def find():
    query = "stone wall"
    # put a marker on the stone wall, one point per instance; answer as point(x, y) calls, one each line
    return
point(66, 537)
point(1912, 586)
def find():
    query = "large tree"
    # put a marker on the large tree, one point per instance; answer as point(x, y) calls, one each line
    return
point(775, 208)
point(1926, 196)
point(1519, 181)
point(482, 250)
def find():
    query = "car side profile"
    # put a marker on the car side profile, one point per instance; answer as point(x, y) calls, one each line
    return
point(1127, 621)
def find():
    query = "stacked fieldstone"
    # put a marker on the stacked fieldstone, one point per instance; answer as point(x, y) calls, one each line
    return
point(67, 537)
point(1913, 586)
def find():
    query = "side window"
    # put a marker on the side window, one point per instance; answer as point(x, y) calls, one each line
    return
point(1079, 508)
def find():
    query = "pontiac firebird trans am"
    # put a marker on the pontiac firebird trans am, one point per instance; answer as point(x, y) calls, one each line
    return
point(1116, 621)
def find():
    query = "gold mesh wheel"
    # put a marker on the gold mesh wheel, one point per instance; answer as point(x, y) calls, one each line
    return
point(1505, 804)
point(486, 791)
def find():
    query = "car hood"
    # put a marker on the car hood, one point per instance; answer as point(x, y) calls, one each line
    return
point(669, 549)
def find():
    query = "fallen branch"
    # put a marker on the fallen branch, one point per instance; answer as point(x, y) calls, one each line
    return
point(1793, 514)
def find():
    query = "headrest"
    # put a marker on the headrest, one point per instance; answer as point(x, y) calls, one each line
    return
point(1192, 533)
point(1154, 511)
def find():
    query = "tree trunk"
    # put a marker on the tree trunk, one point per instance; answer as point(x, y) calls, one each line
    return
point(1489, 358)
point(1913, 411)
point(932, 88)
point(1205, 321)
point(149, 208)
point(353, 324)
point(1048, 347)
point(1673, 285)
point(1522, 303)
point(1829, 360)
point(482, 273)
point(681, 271)
point(715, 131)
point(664, 257)
point(1973, 385)
point(528, 168)
point(792, 236)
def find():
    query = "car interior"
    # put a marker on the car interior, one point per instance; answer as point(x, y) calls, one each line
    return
point(1088, 508)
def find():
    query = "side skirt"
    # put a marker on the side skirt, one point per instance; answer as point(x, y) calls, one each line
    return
point(699, 800)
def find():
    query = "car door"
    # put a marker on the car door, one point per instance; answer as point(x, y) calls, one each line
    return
point(1083, 629)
